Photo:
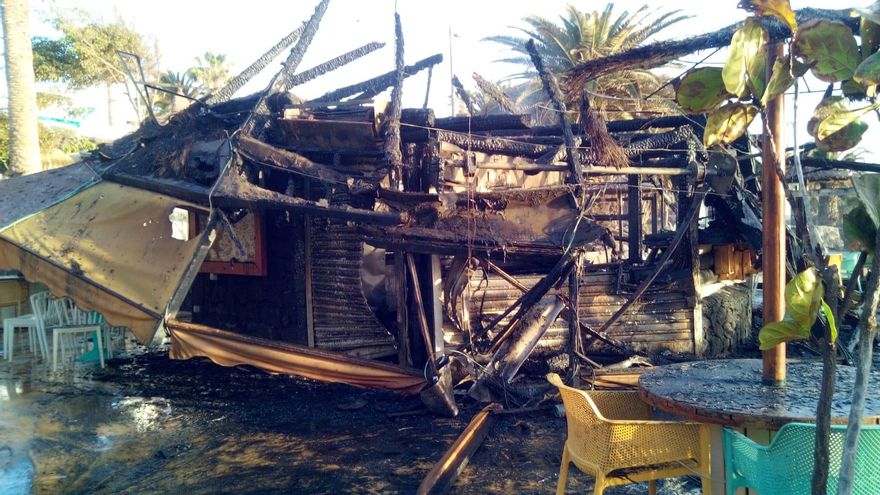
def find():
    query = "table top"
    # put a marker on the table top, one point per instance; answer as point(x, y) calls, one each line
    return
point(730, 392)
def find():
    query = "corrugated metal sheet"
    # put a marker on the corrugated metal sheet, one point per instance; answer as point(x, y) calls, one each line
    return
point(663, 319)
point(343, 320)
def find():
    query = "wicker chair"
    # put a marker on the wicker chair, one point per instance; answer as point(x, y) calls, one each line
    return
point(611, 437)
point(785, 467)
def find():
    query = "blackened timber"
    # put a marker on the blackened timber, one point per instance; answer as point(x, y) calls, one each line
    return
point(233, 191)
point(631, 125)
point(266, 154)
point(391, 126)
point(496, 93)
point(825, 164)
point(442, 476)
point(551, 87)
point(463, 94)
point(234, 84)
point(482, 123)
point(656, 54)
point(650, 146)
point(376, 85)
point(255, 124)
point(335, 63)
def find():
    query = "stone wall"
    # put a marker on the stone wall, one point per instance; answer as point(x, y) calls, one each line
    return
point(727, 320)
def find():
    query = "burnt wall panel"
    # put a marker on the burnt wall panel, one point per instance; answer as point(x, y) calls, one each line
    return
point(270, 307)
point(343, 320)
point(661, 320)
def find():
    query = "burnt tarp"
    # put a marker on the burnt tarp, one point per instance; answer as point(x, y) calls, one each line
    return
point(107, 246)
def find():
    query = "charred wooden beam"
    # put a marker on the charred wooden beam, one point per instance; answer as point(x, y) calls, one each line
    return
point(416, 124)
point(428, 86)
point(496, 93)
point(825, 164)
point(463, 94)
point(482, 123)
point(266, 154)
point(551, 87)
point(442, 476)
point(656, 54)
point(648, 147)
point(255, 124)
point(391, 126)
point(333, 64)
point(376, 85)
point(234, 191)
point(234, 84)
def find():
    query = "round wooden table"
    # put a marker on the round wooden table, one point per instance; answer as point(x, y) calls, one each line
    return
point(730, 393)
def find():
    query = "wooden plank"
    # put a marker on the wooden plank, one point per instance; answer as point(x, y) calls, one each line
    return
point(328, 134)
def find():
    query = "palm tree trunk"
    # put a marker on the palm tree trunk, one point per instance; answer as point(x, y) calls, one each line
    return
point(24, 142)
point(867, 328)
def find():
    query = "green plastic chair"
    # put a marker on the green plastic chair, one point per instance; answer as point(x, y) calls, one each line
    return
point(785, 467)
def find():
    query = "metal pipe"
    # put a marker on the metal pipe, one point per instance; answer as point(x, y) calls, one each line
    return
point(595, 169)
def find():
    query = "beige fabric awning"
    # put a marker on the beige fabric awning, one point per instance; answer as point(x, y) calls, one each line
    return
point(232, 349)
point(110, 248)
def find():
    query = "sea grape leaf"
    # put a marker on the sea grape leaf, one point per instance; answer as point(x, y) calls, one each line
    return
point(701, 90)
point(726, 124)
point(782, 77)
point(868, 72)
point(869, 32)
point(868, 189)
point(829, 315)
point(803, 297)
point(778, 332)
point(859, 232)
point(835, 127)
point(781, 9)
point(745, 65)
point(831, 46)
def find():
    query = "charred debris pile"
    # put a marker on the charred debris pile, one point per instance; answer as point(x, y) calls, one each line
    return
point(504, 246)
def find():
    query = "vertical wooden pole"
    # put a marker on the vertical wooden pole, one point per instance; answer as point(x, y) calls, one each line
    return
point(404, 354)
point(773, 204)
point(634, 217)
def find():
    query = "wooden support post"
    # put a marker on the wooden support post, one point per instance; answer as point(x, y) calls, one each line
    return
point(693, 242)
point(403, 351)
point(634, 217)
point(307, 241)
point(773, 245)
point(574, 325)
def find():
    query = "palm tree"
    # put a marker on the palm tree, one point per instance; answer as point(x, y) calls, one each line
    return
point(211, 71)
point(581, 36)
point(182, 89)
point(24, 143)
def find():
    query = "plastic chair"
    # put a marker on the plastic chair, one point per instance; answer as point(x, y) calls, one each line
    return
point(785, 467)
point(611, 436)
point(34, 323)
point(80, 322)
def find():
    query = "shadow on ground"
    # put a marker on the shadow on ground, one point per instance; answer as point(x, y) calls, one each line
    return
point(150, 425)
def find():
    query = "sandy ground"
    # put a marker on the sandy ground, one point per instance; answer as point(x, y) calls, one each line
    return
point(147, 424)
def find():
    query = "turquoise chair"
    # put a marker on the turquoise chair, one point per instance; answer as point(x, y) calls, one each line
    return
point(785, 467)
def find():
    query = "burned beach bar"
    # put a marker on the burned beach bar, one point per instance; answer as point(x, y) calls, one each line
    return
point(349, 240)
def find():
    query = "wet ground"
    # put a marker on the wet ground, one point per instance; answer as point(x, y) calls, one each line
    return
point(147, 424)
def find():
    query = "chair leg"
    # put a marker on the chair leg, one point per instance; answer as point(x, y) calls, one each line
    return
point(599, 487)
point(706, 459)
point(563, 472)
point(652, 487)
